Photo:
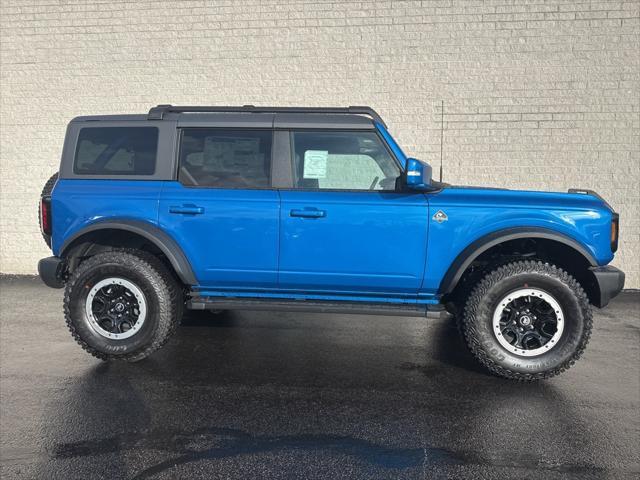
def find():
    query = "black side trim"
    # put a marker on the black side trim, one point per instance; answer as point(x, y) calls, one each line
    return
point(51, 271)
point(236, 303)
point(469, 254)
point(160, 239)
point(610, 283)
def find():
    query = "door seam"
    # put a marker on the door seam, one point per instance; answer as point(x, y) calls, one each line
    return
point(279, 238)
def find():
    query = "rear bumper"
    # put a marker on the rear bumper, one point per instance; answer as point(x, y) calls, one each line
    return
point(51, 270)
point(610, 282)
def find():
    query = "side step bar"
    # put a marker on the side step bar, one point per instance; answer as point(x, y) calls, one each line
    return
point(404, 310)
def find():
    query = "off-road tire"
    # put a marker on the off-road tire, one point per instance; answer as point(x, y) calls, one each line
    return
point(477, 327)
point(46, 191)
point(163, 296)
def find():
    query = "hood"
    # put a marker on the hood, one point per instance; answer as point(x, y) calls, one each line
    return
point(574, 198)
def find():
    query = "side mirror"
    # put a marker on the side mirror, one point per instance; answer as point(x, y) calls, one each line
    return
point(417, 174)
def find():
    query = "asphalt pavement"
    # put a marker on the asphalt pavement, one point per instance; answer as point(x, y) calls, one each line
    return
point(258, 395)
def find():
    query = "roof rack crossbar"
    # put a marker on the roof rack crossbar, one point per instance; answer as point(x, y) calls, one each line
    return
point(157, 113)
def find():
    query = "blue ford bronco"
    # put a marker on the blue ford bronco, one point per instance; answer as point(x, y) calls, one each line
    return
point(311, 209)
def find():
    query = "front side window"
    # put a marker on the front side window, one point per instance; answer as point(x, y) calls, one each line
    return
point(225, 158)
point(116, 151)
point(342, 160)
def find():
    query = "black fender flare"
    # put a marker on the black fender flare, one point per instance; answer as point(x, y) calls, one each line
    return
point(482, 244)
point(167, 245)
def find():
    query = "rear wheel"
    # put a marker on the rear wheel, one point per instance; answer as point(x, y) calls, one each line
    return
point(122, 304)
point(527, 321)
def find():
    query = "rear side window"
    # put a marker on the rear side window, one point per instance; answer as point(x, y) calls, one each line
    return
point(225, 158)
point(116, 151)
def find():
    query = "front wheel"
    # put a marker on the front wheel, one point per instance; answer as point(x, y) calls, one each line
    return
point(527, 321)
point(122, 304)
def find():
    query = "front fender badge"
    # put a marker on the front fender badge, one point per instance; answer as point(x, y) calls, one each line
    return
point(440, 216)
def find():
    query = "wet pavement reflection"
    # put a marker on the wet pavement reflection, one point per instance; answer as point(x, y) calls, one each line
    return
point(273, 395)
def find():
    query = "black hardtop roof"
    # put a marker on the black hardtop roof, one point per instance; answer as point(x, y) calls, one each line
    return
point(158, 112)
point(249, 115)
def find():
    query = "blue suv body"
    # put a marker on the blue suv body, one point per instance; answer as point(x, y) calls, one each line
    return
point(311, 209)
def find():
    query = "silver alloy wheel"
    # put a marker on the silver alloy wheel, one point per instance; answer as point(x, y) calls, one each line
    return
point(528, 322)
point(116, 308)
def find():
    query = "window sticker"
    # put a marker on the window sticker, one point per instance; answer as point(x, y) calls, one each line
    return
point(315, 163)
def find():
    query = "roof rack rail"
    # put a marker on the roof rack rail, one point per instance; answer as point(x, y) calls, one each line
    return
point(157, 113)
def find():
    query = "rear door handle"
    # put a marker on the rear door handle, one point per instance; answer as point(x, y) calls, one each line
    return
point(308, 213)
point(186, 209)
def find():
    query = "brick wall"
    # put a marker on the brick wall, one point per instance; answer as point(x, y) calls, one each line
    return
point(538, 94)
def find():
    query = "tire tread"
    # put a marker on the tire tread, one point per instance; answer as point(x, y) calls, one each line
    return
point(160, 278)
point(468, 319)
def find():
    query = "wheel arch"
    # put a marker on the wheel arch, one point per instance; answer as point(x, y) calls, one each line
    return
point(474, 250)
point(86, 237)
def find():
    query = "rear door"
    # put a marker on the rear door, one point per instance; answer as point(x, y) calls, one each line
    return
point(345, 229)
point(222, 209)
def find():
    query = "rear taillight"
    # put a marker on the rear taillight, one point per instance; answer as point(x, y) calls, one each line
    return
point(45, 215)
point(615, 231)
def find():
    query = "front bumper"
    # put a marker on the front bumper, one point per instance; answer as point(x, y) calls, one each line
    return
point(51, 271)
point(610, 282)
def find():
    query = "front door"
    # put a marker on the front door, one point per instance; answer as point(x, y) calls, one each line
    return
point(222, 210)
point(345, 230)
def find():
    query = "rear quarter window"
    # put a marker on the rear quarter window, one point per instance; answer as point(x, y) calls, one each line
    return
point(116, 151)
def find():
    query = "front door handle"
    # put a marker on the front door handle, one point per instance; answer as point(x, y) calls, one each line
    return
point(186, 209)
point(308, 213)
